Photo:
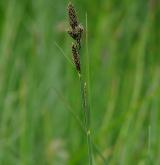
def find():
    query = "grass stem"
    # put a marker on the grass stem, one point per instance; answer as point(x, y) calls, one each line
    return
point(86, 113)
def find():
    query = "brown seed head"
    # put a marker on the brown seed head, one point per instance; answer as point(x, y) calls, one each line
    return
point(76, 58)
point(72, 16)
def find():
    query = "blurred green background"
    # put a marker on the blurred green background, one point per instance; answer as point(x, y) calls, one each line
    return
point(39, 88)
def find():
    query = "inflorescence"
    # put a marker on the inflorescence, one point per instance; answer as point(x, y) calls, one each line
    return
point(76, 31)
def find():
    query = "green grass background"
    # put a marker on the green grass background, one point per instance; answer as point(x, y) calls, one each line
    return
point(39, 88)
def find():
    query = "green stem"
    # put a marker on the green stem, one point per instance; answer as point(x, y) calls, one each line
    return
point(86, 112)
point(69, 108)
point(89, 146)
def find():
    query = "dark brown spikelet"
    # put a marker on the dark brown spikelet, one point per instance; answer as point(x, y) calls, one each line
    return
point(76, 58)
point(76, 34)
point(72, 16)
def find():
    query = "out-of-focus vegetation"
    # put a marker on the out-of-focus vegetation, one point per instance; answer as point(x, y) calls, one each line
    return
point(39, 88)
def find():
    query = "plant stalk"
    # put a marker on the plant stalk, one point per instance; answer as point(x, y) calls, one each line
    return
point(86, 112)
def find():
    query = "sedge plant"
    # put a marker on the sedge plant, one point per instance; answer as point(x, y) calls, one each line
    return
point(75, 32)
